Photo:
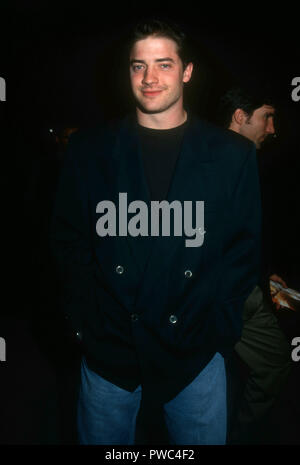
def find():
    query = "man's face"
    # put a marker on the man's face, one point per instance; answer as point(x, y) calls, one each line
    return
point(157, 75)
point(260, 125)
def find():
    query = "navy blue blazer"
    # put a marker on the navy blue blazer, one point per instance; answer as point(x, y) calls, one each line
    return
point(149, 309)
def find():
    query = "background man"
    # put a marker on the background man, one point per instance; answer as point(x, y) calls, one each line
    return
point(263, 346)
point(156, 318)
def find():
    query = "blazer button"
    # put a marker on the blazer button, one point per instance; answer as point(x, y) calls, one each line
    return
point(79, 335)
point(134, 317)
point(173, 319)
point(120, 269)
point(188, 274)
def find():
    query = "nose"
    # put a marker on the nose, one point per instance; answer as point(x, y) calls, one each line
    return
point(270, 126)
point(150, 76)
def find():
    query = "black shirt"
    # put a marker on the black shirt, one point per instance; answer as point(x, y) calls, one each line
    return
point(160, 151)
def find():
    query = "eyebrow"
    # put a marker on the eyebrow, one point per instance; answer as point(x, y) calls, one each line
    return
point(158, 60)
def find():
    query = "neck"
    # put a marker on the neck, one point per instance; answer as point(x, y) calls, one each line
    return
point(234, 127)
point(164, 120)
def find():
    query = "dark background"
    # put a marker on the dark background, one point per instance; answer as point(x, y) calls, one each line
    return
point(63, 65)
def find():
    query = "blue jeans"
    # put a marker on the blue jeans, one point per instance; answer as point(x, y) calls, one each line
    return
point(197, 415)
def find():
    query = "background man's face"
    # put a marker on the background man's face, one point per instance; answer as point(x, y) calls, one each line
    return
point(260, 125)
point(156, 74)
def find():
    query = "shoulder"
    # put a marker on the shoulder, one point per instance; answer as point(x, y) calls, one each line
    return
point(222, 142)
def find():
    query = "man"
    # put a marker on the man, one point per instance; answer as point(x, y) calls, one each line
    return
point(156, 313)
point(257, 124)
point(263, 346)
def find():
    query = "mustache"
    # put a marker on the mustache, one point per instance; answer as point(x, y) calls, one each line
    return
point(154, 89)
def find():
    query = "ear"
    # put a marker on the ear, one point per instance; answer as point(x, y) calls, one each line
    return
point(187, 73)
point(239, 117)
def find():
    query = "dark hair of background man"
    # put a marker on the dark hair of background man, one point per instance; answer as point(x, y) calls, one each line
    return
point(246, 99)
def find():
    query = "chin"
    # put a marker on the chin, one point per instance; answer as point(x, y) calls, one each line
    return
point(150, 109)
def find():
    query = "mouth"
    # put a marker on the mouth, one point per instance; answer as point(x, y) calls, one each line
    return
point(151, 93)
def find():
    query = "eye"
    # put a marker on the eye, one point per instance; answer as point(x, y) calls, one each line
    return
point(136, 68)
point(165, 65)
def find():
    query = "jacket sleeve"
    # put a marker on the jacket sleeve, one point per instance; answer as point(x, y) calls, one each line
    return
point(70, 243)
point(241, 253)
